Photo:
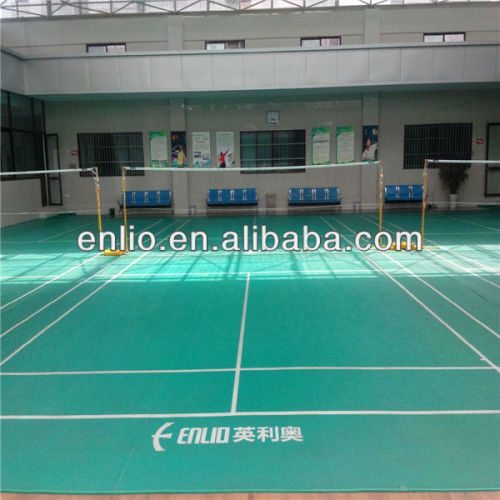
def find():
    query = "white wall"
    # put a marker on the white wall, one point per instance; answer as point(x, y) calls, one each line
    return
point(394, 24)
point(20, 200)
point(393, 111)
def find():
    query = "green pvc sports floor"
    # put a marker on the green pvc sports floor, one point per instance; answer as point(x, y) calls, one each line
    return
point(251, 371)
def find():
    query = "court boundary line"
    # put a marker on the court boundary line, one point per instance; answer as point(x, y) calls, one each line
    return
point(422, 304)
point(469, 222)
point(47, 282)
point(456, 264)
point(78, 285)
point(64, 232)
point(248, 414)
point(234, 400)
point(246, 369)
point(71, 309)
point(441, 294)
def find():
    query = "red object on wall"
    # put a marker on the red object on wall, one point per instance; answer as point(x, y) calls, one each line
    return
point(479, 140)
point(74, 152)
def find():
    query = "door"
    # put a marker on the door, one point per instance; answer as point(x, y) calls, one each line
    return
point(54, 180)
point(492, 187)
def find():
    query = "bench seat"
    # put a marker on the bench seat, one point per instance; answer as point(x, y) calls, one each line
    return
point(404, 192)
point(147, 199)
point(314, 196)
point(225, 197)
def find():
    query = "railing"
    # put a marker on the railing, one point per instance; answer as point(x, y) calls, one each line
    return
point(53, 8)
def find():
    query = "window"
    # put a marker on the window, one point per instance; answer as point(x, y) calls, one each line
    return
point(276, 148)
point(323, 41)
point(444, 37)
point(106, 48)
point(225, 45)
point(110, 152)
point(443, 141)
point(23, 127)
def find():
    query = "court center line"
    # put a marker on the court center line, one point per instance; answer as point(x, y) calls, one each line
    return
point(254, 369)
point(47, 282)
point(234, 401)
point(418, 301)
point(41, 332)
point(67, 292)
point(478, 264)
point(248, 414)
point(441, 294)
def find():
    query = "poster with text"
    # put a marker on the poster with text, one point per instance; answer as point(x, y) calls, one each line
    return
point(345, 144)
point(201, 149)
point(158, 149)
point(321, 145)
point(225, 149)
point(370, 143)
point(178, 145)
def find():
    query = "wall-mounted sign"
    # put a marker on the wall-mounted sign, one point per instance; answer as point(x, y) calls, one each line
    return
point(158, 150)
point(320, 145)
point(178, 146)
point(345, 144)
point(370, 143)
point(201, 149)
point(225, 149)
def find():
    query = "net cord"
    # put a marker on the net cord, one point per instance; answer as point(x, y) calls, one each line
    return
point(45, 172)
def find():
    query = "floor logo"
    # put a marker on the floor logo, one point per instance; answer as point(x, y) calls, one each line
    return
point(224, 435)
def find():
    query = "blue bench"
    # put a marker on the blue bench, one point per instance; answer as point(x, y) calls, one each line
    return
point(223, 197)
point(147, 199)
point(314, 196)
point(412, 192)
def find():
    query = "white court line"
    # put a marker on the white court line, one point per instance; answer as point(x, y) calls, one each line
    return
point(32, 339)
point(47, 282)
point(453, 263)
point(27, 276)
point(67, 292)
point(234, 401)
point(441, 294)
point(246, 414)
point(457, 219)
point(64, 232)
point(418, 301)
point(226, 273)
point(262, 369)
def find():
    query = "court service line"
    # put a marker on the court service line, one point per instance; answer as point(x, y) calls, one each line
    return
point(418, 301)
point(47, 282)
point(41, 332)
point(78, 285)
point(470, 222)
point(254, 369)
point(64, 232)
point(248, 414)
point(453, 263)
point(441, 294)
point(234, 401)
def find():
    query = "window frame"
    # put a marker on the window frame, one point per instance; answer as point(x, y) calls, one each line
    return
point(320, 38)
point(102, 171)
point(38, 135)
point(225, 42)
point(443, 34)
point(269, 169)
point(106, 45)
point(423, 154)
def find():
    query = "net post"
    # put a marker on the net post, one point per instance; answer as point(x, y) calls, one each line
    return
point(380, 194)
point(95, 173)
point(124, 170)
point(424, 196)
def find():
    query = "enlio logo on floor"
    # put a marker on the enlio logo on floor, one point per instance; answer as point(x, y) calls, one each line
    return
point(224, 435)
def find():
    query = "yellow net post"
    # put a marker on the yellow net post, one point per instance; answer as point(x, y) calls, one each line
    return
point(380, 194)
point(95, 173)
point(124, 171)
point(424, 195)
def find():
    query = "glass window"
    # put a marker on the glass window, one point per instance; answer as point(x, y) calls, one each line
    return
point(444, 37)
point(103, 48)
point(225, 45)
point(321, 41)
point(267, 149)
point(7, 163)
point(38, 115)
point(5, 110)
point(22, 112)
point(24, 151)
point(110, 152)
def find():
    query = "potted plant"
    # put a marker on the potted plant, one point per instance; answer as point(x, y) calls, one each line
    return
point(453, 177)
